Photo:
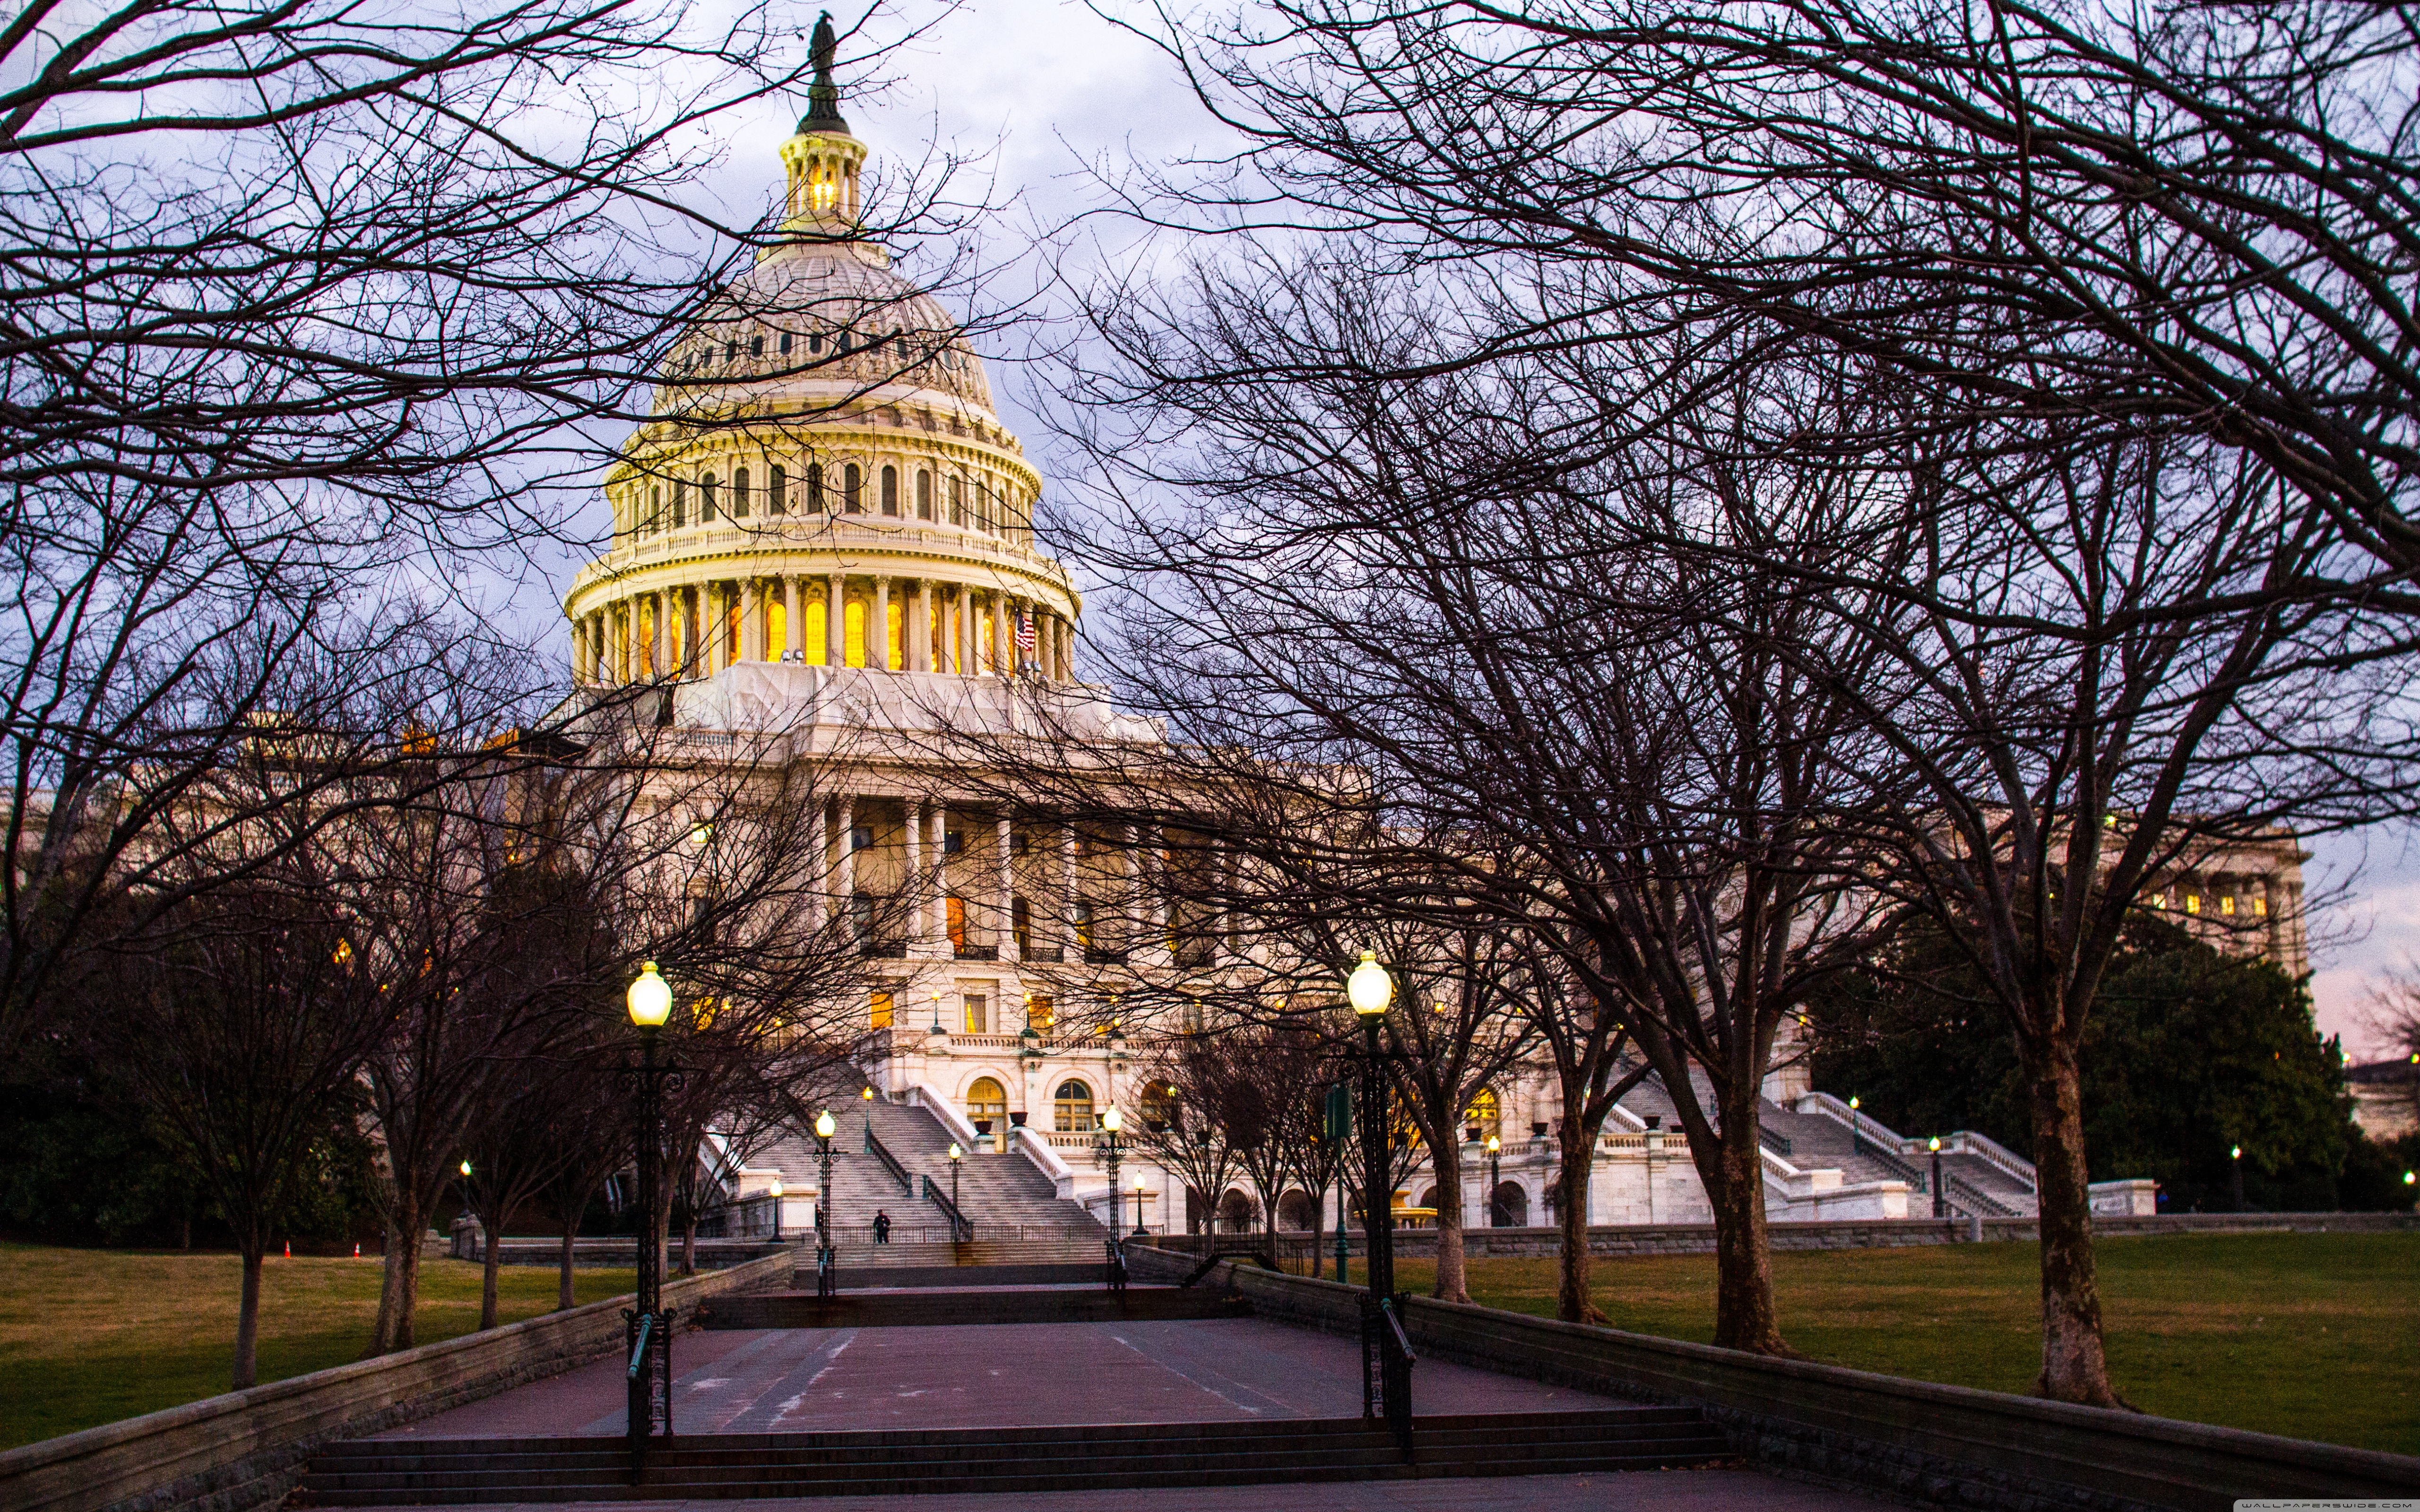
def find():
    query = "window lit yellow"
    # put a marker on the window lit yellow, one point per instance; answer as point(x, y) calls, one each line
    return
point(987, 1098)
point(777, 630)
point(1040, 1013)
point(897, 617)
point(852, 648)
point(881, 1009)
point(818, 635)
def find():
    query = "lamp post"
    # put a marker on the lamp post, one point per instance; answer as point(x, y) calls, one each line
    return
point(825, 1282)
point(2235, 1170)
point(1139, 1231)
point(1940, 1198)
point(1387, 1388)
point(1112, 1122)
point(775, 1192)
point(957, 1153)
point(866, 1097)
point(650, 1003)
point(1494, 1180)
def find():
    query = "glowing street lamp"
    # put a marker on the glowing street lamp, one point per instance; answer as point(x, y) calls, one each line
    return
point(1370, 989)
point(649, 1000)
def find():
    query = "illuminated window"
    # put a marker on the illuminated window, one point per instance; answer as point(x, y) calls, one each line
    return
point(987, 1098)
point(777, 628)
point(1083, 926)
point(2227, 905)
point(896, 613)
point(1040, 1013)
point(978, 1014)
point(1484, 1113)
point(2260, 904)
point(956, 907)
point(1071, 1107)
point(883, 1006)
point(2192, 902)
point(817, 621)
point(853, 633)
point(1159, 1107)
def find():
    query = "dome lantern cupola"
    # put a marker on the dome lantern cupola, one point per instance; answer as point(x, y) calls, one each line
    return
point(823, 159)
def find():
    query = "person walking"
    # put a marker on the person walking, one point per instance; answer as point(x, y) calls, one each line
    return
point(881, 1227)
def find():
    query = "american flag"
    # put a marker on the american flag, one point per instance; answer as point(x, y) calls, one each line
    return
point(1025, 637)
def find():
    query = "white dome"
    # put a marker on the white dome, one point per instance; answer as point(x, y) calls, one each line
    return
point(851, 320)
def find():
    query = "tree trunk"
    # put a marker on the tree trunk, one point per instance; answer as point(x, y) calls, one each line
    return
point(491, 1255)
point(1572, 1302)
point(398, 1280)
point(1452, 1282)
point(1745, 1318)
point(563, 1281)
point(2074, 1367)
point(1319, 1232)
point(688, 1243)
point(247, 1318)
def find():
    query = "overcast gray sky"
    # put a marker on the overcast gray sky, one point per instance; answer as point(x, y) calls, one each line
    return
point(1042, 88)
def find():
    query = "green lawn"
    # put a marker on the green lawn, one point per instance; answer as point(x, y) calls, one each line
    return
point(90, 1337)
point(2313, 1335)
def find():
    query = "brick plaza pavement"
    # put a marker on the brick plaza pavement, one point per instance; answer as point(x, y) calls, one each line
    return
point(1011, 1375)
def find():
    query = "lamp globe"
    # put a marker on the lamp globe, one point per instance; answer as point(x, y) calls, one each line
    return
point(824, 1124)
point(650, 998)
point(1113, 1120)
point(1370, 989)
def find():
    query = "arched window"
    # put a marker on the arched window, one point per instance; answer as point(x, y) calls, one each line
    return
point(814, 345)
point(755, 346)
point(853, 633)
point(655, 510)
point(1485, 1114)
point(777, 628)
point(890, 491)
point(786, 339)
point(705, 499)
point(739, 489)
point(680, 503)
point(1071, 1107)
point(896, 631)
point(852, 490)
point(903, 346)
point(1159, 1107)
point(923, 494)
point(815, 624)
point(814, 487)
point(987, 1098)
point(777, 491)
point(958, 502)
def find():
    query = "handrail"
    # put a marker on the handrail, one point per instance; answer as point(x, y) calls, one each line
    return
point(2000, 1156)
point(1777, 1142)
point(873, 1147)
point(1387, 1306)
point(1952, 1185)
point(639, 1351)
point(961, 1230)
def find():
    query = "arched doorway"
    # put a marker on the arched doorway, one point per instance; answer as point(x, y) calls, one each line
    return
point(1238, 1212)
point(986, 1102)
point(1510, 1207)
point(1071, 1107)
point(1293, 1211)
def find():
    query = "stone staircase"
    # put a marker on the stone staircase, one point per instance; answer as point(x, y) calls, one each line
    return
point(1107, 1457)
point(1017, 1215)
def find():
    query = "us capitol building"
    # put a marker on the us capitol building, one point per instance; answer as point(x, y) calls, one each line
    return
point(826, 532)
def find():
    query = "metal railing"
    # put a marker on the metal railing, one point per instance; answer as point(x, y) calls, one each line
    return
point(1977, 1202)
point(1778, 1144)
point(875, 1147)
point(962, 1231)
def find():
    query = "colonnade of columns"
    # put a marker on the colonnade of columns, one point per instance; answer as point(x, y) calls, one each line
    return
point(700, 628)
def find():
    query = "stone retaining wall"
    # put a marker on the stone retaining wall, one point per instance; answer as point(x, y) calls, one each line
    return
point(246, 1449)
point(1909, 1440)
point(1860, 1233)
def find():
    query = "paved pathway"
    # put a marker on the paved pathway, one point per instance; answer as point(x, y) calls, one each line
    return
point(1661, 1490)
point(1011, 1375)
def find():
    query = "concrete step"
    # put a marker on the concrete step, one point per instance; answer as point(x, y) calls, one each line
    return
point(965, 1309)
point(393, 1472)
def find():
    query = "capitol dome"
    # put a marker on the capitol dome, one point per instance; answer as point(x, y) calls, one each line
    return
point(822, 480)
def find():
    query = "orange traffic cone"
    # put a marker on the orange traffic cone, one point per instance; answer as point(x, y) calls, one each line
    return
point(289, 1249)
point(357, 1249)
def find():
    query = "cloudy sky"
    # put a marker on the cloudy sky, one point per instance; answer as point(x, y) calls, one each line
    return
point(1041, 89)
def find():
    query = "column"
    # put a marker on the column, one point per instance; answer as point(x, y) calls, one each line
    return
point(1068, 892)
point(877, 629)
point(623, 635)
point(823, 877)
point(711, 648)
point(964, 640)
point(942, 878)
point(835, 621)
point(846, 888)
point(1005, 915)
point(925, 662)
point(794, 629)
point(1066, 629)
point(913, 811)
point(751, 620)
point(1004, 639)
point(661, 638)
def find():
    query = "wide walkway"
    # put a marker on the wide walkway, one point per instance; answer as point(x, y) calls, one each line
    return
point(1661, 1490)
point(1010, 1375)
